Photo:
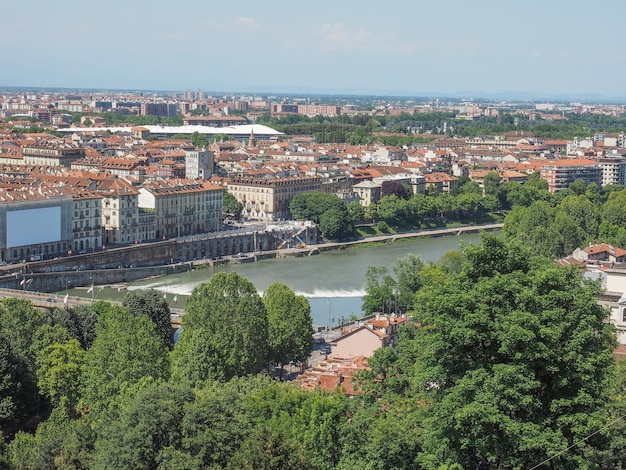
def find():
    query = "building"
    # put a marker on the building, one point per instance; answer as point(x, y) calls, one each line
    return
point(182, 207)
point(559, 174)
point(35, 225)
point(120, 212)
point(368, 192)
point(378, 332)
point(269, 198)
point(199, 164)
point(440, 182)
point(159, 109)
point(87, 222)
point(613, 171)
point(215, 121)
point(319, 109)
point(52, 155)
point(600, 252)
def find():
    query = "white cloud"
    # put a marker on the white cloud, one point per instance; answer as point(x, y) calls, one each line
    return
point(249, 24)
point(339, 37)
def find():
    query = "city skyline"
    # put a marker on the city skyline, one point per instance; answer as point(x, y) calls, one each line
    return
point(474, 49)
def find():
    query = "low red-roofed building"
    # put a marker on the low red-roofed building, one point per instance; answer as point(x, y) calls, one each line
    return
point(333, 374)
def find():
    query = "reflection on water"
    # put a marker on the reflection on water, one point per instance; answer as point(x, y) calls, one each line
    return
point(334, 279)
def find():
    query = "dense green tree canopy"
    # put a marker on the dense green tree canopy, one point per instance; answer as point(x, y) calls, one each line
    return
point(290, 326)
point(231, 207)
point(311, 206)
point(127, 348)
point(224, 331)
point(515, 358)
point(152, 304)
point(335, 223)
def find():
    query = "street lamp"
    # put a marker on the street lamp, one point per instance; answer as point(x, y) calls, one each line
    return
point(329, 313)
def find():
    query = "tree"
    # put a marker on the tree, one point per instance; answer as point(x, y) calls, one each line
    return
point(407, 271)
point(392, 209)
point(85, 318)
point(224, 331)
point(16, 393)
point(578, 186)
point(126, 349)
point(491, 183)
point(514, 358)
point(290, 326)
point(60, 372)
point(613, 209)
point(380, 289)
point(334, 223)
point(142, 425)
point(392, 187)
point(151, 304)
point(311, 206)
point(231, 206)
point(199, 141)
point(356, 212)
point(584, 213)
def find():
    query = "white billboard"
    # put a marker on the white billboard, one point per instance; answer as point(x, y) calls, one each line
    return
point(33, 226)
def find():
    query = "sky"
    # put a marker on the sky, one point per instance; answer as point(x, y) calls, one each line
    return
point(392, 47)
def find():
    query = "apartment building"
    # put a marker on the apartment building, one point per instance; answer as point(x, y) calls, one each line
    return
point(560, 173)
point(182, 207)
point(159, 109)
point(440, 182)
point(269, 198)
point(199, 164)
point(52, 155)
point(87, 222)
point(120, 212)
point(368, 192)
point(613, 170)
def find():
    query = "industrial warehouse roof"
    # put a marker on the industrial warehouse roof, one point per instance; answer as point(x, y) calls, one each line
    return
point(240, 130)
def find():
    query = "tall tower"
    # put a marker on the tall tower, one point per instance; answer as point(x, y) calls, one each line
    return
point(252, 142)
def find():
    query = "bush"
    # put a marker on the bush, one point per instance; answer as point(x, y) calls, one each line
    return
point(383, 226)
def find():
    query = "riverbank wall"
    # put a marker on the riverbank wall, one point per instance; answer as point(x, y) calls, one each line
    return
point(128, 264)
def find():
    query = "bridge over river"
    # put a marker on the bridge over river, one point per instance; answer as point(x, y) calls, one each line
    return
point(51, 301)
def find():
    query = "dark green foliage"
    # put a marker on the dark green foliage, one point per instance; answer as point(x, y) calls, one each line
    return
point(335, 223)
point(380, 290)
point(311, 206)
point(151, 304)
point(16, 392)
point(141, 425)
point(290, 326)
point(516, 359)
point(231, 206)
point(126, 349)
point(224, 331)
point(199, 141)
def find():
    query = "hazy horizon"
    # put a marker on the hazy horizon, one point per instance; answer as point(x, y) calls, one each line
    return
point(485, 48)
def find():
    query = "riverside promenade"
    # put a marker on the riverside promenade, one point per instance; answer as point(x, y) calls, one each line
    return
point(391, 238)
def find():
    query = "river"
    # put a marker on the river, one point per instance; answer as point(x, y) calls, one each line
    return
point(333, 281)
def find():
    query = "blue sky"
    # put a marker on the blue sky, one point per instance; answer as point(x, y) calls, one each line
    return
point(433, 47)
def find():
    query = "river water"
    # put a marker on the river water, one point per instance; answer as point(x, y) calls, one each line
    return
point(333, 281)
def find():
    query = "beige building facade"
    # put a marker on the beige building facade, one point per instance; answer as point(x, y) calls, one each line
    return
point(269, 198)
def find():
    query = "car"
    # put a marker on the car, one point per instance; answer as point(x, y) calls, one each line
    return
point(325, 349)
point(50, 299)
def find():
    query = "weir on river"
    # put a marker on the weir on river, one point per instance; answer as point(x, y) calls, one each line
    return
point(333, 281)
